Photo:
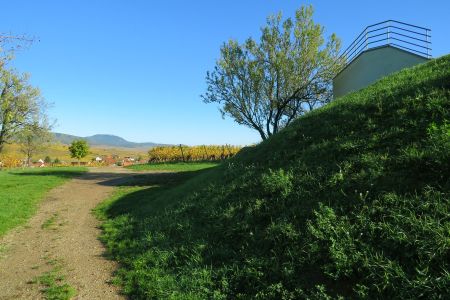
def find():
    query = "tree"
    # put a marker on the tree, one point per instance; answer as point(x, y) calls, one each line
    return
point(20, 105)
point(34, 138)
point(9, 43)
point(268, 84)
point(79, 149)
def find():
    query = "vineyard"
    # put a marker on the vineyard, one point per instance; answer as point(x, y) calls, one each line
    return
point(192, 153)
point(10, 162)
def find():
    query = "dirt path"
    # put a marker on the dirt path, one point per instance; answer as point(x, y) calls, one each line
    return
point(63, 232)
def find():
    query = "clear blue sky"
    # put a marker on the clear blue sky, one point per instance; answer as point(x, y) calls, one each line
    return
point(137, 68)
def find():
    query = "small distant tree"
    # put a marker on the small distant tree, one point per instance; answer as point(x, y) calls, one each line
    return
point(266, 84)
point(33, 138)
point(79, 149)
point(47, 160)
point(56, 161)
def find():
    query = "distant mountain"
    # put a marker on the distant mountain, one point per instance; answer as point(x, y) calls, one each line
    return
point(104, 140)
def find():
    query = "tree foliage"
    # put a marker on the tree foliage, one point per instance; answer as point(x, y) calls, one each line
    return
point(79, 149)
point(265, 85)
point(34, 138)
point(9, 43)
point(21, 105)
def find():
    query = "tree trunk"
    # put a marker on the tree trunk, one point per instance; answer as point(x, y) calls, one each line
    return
point(2, 139)
point(3, 131)
point(261, 133)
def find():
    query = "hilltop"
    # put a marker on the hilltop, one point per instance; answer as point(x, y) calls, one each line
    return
point(351, 200)
point(104, 140)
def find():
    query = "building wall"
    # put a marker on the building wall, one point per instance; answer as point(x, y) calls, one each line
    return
point(372, 65)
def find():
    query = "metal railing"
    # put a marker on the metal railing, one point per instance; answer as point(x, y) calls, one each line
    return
point(393, 33)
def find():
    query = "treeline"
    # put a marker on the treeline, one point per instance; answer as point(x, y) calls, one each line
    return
point(192, 153)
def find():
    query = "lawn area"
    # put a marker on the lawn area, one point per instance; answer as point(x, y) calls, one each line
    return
point(174, 166)
point(21, 191)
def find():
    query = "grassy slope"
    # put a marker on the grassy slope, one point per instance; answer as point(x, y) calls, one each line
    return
point(351, 200)
point(21, 190)
point(173, 166)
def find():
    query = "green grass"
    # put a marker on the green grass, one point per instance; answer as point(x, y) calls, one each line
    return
point(50, 222)
point(54, 286)
point(146, 186)
point(352, 200)
point(173, 166)
point(3, 250)
point(21, 191)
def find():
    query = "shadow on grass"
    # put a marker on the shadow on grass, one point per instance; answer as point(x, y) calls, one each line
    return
point(49, 172)
point(104, 178)
point(117, 179)
point(138, 203)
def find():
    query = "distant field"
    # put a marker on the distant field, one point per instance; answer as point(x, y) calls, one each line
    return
point(21, 191)
point(62, 152)
point(174, 166)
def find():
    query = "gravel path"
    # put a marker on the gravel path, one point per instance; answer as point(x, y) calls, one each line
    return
point(69, 239)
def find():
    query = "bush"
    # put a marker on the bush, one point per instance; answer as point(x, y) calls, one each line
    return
point(277, 183)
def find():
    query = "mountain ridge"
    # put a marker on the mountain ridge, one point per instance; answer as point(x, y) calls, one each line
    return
point(109, 140)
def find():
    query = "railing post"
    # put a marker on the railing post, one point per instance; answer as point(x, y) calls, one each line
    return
point(365, 39)
point(388, 31)
point(426, 39)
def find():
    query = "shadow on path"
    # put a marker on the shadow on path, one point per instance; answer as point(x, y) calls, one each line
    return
point(116, 176)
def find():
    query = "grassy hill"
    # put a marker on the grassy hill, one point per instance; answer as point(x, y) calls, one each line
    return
point(351, 200)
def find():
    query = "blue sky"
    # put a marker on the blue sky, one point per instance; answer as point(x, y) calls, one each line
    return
point(137, 68)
